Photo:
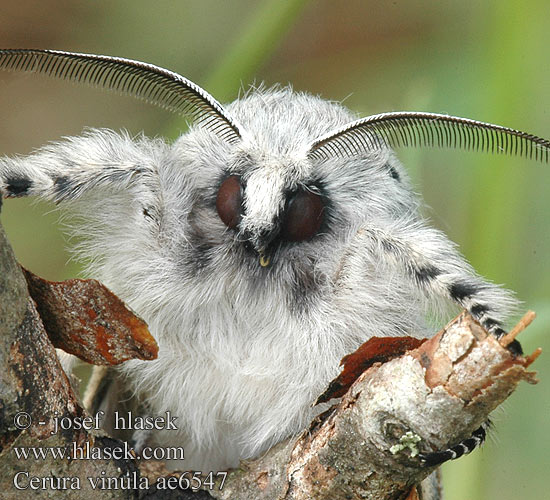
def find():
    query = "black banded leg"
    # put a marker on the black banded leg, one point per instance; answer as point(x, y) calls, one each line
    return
point(435, 266)
point(515, 348)
point(495, 329)
point(467, 446)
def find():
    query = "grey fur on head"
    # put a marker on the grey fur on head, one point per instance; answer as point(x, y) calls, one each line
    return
point(255, 297)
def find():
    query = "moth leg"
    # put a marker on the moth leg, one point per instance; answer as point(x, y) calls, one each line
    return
point(68, 169)
point(463, 448)
point(434, 264)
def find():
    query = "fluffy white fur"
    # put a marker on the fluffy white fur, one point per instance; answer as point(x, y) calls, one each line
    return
point(244, 350)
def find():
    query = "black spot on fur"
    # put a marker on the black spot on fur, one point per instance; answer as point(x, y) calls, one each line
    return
point(388, 246)
point(461, 291)
point(304, 287)
point(147, 214)
point(394, 174)
point(197, 257)
point(426, 273)
point(62, 184)
point(478, 310)
point(18, 186)
point(498, 332)
point(490, 324)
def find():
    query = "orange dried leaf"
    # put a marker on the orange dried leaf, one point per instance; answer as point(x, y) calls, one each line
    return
point(84, 318)
point(374, 350)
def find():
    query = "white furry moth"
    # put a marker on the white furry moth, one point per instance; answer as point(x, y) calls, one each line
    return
point(267, 242)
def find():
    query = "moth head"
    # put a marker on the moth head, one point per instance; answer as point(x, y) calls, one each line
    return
point(275, 200)
point(265, 212)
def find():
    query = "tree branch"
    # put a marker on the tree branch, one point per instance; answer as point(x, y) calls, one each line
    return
point(364, 446)
point(367, 445)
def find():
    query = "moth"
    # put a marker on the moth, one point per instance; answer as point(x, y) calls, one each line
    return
point(273, 237)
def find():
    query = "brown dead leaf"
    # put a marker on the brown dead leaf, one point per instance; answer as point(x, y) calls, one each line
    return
point(374, 350)
point(84, 318)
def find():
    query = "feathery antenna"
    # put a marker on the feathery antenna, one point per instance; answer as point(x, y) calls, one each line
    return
point(150, 83)
point(410, 129)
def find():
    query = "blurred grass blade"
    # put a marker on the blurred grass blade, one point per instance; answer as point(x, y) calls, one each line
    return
point(256, 43)
point(496, 202)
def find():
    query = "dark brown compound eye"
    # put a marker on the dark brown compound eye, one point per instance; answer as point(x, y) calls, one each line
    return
point(229, 201)
point(303, 216)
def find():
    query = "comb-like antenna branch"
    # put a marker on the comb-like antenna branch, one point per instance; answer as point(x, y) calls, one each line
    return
point(410, 129)
point(156, 85)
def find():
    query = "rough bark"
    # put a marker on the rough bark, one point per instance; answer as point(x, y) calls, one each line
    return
point(365, 446)
point(34, 391)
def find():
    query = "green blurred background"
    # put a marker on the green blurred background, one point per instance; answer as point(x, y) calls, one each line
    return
point(485, 60)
